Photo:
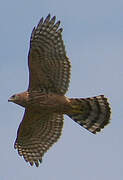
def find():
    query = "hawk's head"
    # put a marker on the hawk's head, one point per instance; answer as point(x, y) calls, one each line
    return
point(13, 98)
point(20, 99)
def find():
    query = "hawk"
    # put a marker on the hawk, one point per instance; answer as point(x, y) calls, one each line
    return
point(45, 102)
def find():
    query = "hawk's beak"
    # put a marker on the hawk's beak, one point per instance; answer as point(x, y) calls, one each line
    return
point(10, 99)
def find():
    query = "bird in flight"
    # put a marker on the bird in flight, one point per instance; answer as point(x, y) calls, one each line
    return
point(45, 102)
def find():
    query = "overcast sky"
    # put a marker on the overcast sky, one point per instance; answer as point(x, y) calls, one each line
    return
point(93, 36)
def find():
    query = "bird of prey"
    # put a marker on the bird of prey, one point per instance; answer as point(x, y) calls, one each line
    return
point(45, 102)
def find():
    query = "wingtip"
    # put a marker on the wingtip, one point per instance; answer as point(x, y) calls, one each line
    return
point(48, 16)
point(53, 18)
point(47, 19)
point(37, 163)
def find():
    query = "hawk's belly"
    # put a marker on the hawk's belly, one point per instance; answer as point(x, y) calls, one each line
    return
point(49, 103)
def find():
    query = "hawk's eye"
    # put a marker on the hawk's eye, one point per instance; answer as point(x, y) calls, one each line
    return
point(13, 96)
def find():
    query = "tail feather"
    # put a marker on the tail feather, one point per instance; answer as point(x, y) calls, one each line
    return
point(91, 113)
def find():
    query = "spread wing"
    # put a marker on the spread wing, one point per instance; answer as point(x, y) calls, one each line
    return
point(49, 66)
point(36, 134)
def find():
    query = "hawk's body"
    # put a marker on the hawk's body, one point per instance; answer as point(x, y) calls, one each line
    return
point(44, 101)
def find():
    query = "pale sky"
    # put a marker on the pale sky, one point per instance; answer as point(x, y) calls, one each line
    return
point(93, 36)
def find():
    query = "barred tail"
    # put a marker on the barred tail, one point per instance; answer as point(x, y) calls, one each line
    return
point(91, 113)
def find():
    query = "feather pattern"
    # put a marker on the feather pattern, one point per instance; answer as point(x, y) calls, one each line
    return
point(49, 67)
point(91, 113)
point(36, 134)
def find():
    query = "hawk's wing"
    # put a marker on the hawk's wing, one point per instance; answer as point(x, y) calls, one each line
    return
point(36, 134)
point(49, 66)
